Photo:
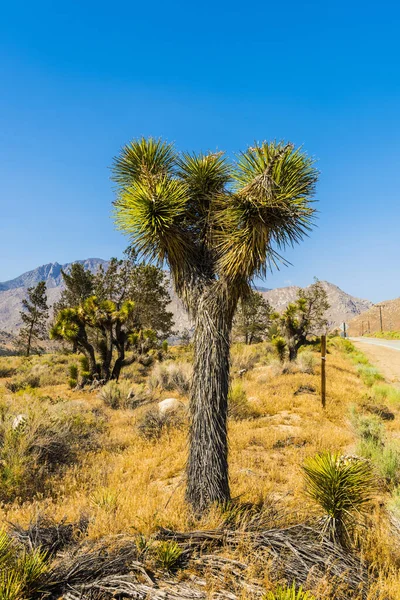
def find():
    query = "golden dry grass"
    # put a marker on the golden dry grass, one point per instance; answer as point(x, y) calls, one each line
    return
point(131, 484)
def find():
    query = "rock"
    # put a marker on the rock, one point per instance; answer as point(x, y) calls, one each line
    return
point(19, 421)
point(170, 404)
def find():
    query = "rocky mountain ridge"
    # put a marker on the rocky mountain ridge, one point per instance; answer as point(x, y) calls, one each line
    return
point(343, 306)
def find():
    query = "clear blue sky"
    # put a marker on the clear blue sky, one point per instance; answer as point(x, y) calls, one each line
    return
point(80, 79)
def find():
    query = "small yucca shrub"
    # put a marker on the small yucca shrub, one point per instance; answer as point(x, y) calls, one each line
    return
point(22, 572)
point(167, 555)
point(289, 593)
point(280, 347)
point(342, 487)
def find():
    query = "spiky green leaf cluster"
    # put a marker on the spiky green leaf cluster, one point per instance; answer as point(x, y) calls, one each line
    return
point(342, 487)
point(289, 593)
point(209, 217)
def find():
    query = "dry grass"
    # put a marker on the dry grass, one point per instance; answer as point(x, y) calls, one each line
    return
point(131, 484)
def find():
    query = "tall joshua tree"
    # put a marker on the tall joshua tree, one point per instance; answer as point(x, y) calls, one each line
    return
point(217, 224)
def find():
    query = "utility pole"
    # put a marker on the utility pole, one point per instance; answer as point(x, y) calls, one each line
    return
point(380, 306)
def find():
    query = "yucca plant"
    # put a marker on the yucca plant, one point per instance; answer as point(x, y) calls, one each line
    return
point(342, 487)
point(31, 568)
point(217, 224)
point(280, 347)
point(289, 593)
point(22, 572)
point(167, 555)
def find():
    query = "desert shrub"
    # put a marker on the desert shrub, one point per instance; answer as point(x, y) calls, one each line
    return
point(289, 593)
point(342, 487)
point(283, 368)
point(37, 438)
point(373, 446)
point(171, 376)
point(387, 392)
point(369, 428)
point(7, 371)
point(244, 357)
point(167, 555)
point(23, 382)
point(306, 362)
point(238, 404)
point(154, 423)
point(369, 374)
point(117, 394)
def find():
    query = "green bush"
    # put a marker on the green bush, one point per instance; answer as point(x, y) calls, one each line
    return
point(387, 392)
point(369, 375)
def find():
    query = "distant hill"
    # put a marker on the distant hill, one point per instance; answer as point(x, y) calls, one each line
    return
point(12, 292)
point(343, 307)
point(369, 321)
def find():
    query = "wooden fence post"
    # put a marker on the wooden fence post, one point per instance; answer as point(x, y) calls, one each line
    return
point(323, 370)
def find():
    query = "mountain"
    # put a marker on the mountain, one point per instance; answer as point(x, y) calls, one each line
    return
point(50, 273)
point(369, 321)
point(343, 307)
point(12, 292)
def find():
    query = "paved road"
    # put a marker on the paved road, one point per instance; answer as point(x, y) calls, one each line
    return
point(392, 344)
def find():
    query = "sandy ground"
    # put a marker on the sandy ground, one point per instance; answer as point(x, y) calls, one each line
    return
point(387, 360)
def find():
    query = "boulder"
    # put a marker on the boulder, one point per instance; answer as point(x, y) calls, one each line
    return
point(170, 404)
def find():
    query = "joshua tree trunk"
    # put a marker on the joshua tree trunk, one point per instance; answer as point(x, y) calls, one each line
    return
point(207, 468)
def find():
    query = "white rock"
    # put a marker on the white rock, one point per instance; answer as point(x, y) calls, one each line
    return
point(18, 421)
point(169, 404)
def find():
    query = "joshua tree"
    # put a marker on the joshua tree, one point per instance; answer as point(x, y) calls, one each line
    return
point(217, 225)
point(303, 317)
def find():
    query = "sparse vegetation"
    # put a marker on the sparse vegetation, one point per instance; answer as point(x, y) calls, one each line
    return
point(68, 453)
